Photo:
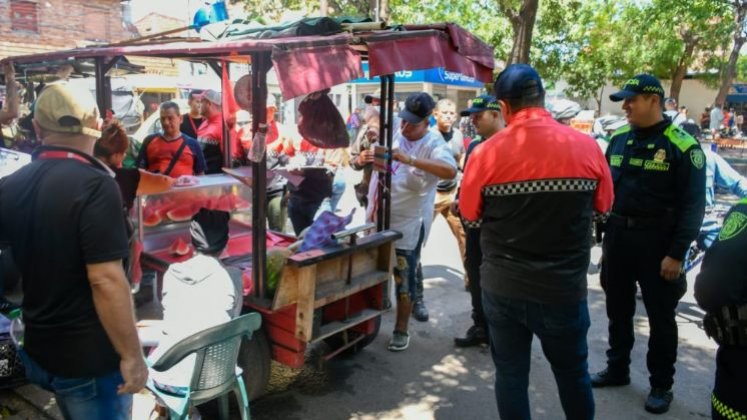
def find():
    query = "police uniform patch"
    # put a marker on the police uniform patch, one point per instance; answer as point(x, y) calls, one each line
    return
point(698, 158)
point(660, 156)
point(733, 226)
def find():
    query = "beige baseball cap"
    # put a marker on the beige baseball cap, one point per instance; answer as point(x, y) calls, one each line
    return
point(62, 108)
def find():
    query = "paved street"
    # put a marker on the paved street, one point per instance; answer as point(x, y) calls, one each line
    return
point(432, 379)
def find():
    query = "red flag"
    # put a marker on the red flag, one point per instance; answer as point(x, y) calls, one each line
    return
point(228, 101)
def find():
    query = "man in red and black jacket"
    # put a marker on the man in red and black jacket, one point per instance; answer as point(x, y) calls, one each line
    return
point(535, 187)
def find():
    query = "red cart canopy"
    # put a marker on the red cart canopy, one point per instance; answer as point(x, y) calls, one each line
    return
point(306, 64)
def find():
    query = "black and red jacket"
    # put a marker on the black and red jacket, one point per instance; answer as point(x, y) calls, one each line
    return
point(534, 187)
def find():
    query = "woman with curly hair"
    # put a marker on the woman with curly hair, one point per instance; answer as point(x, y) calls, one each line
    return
point(111, 149)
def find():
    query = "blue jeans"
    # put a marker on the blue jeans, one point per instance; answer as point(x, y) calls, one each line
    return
point(82, 398)
point(406, 269)
point(562, 330)
point(338, 189)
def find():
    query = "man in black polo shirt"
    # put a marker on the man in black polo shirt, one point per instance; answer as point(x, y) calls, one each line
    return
point(62, 215)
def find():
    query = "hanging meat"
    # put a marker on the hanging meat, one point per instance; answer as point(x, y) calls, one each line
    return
point(321, 123)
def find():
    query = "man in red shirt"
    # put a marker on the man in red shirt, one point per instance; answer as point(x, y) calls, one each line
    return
point(171, 152)
point(535, 186)
point(210, 132)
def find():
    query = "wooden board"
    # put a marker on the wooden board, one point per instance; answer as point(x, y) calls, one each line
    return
point(305, 303)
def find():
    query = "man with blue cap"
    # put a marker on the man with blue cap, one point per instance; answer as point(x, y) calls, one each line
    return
point(659, 174)
point(534, 187)
point(420, 159)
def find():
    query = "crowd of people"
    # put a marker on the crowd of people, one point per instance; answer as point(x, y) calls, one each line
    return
point(520, 198)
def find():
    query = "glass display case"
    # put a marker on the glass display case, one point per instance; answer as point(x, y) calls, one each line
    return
point(162, 220)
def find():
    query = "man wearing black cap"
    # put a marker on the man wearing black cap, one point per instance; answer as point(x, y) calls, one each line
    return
point(198, 294)
point(420, 158)
point(485, 115)
point(534, 186)
point(659, 175)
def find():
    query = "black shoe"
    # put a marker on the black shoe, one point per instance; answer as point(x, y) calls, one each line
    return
point(476, 335)
point(606, 378)
point(419, 311)
point(658, 400)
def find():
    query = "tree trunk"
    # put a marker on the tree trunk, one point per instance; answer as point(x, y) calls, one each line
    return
point(384, 10)
point(678, 76)
point(323, 8)
point(599, 100)
point(727, 77)
point(522, 23)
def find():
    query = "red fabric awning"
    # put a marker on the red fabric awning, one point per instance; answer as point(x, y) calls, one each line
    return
point(306, 64)
point(309, 70)
point(459, 52)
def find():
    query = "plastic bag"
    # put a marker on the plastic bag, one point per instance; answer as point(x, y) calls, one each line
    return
point(321, 123)
point(319, 234)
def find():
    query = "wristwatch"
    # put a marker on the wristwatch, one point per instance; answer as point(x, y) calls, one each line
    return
point(410, 160)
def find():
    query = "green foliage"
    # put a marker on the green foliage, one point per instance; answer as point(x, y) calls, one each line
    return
point(587, 43)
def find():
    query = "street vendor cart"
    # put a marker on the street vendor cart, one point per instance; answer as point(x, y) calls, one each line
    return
point(336, 294)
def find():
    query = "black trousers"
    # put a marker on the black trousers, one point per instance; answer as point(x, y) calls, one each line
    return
point(632, 256)
point(728, 400)
point(472, 262)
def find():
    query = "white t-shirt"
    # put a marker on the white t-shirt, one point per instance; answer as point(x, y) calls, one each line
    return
point(413, 190)
point(677, 117)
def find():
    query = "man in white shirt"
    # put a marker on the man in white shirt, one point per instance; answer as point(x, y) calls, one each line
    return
point(420, 158)
point(677, 117)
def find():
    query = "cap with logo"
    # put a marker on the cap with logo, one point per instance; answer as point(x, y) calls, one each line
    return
point(518, 81)
point(418, 107)
point(212, 96)
point(63, 108)
point(481, 103)
point(638, 85)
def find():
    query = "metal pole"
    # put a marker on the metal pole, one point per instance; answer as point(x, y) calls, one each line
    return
point(227, 152)
point(389, 137)
point(260, 66)
point(103, 86)
point(384, 129)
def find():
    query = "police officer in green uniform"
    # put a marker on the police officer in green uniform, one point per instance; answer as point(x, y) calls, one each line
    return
point(659, 176)
point(721, 289)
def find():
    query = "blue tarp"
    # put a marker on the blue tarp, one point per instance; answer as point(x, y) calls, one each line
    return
point(737, 98)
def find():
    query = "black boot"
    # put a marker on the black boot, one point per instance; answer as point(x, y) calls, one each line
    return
point(476, 336)
point(419, 311)
point(658, 400)
point(607, 378)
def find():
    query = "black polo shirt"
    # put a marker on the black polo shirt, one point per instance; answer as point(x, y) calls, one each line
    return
point(59, 213)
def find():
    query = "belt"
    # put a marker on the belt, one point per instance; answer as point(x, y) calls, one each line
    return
point(728, 326)
point(640, 222)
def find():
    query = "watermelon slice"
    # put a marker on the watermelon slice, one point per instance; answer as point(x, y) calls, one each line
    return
point(224, 203)
point(180, 247)
point(152, 219)
point(181, 213)
point(247, 282)
point(240, 204)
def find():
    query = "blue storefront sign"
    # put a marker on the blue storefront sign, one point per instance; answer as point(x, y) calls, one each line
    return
point(437, 75)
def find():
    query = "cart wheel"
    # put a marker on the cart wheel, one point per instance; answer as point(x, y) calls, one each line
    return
point(254, 360)
point(337, 340)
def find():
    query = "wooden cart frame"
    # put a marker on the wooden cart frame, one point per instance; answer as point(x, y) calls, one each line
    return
point(336, 294)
